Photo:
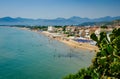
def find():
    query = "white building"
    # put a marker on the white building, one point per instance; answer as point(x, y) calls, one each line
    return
point(87, 33)
point(97, 32)
point(51, 29)
point(80, 32)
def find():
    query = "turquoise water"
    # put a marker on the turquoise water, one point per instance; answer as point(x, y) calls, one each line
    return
point(29, 55)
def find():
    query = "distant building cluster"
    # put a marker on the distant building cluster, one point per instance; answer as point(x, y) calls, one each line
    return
point(79, 31)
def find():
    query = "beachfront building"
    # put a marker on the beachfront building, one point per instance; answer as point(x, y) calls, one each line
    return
point(51, 29)
point(97, 31)
point(92, 29)
point(80, 32)
point(68, 28)
point(71, 30)
point(87, 33)
point(117, 26)
point(59, 30)
point(83, 33)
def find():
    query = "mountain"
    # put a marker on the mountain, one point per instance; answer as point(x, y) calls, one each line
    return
point(75, 20)
point(107, 19)
point(8, 19)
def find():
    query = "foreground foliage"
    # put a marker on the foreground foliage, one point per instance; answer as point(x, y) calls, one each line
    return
point(106, 64)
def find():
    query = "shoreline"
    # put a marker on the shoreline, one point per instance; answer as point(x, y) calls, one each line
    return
point(72, 43)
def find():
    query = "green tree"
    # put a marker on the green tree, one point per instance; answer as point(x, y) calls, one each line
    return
point(104, 27)
point(64, 28)
point(106, 63)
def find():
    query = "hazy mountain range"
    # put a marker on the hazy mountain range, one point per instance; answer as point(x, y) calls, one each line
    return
point(75, 20)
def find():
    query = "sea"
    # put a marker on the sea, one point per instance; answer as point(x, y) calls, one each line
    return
point(30, 55)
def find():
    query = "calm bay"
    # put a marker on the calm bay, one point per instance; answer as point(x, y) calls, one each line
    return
point(29, 55)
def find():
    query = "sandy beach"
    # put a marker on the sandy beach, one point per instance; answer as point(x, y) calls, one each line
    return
point(72, 43)
point(85, 46)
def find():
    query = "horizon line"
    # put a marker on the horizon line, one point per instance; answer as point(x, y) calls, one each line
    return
point(59, 17)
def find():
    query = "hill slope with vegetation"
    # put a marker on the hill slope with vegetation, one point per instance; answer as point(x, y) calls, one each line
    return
point(106, 64)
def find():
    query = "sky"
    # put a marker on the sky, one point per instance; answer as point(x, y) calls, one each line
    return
point(50, 9)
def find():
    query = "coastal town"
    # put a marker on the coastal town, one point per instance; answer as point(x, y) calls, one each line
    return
point(59, 39)
point(75, 36)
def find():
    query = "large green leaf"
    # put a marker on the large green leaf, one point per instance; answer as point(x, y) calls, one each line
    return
point(102, 36)
point(94, 37)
